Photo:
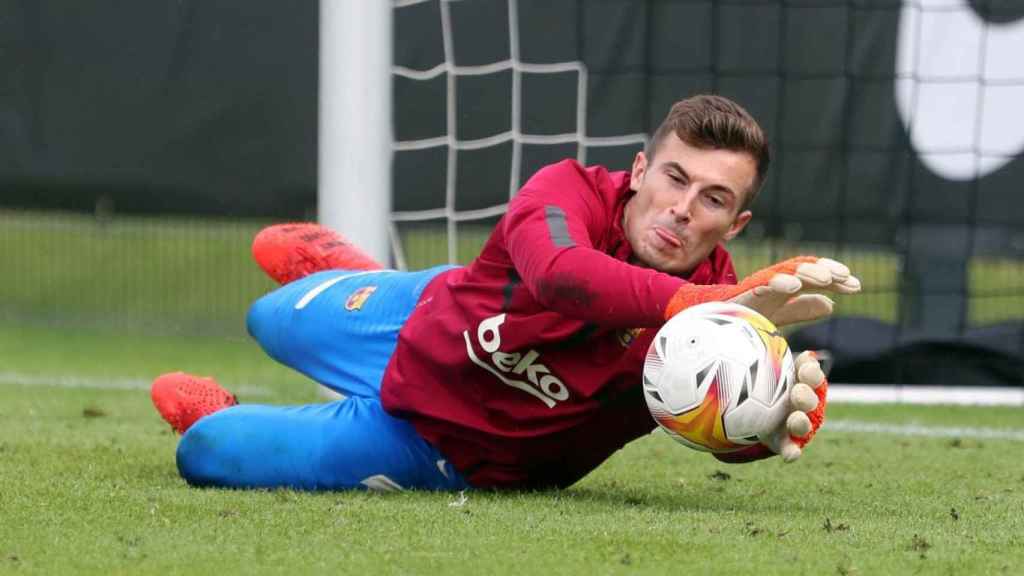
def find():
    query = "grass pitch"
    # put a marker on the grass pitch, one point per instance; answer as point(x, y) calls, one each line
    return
point(88, 486)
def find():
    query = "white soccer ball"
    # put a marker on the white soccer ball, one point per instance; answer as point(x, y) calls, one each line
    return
point(717, 376)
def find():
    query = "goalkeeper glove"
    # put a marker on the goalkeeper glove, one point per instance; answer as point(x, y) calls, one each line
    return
point(785, 293)
point(807, 400)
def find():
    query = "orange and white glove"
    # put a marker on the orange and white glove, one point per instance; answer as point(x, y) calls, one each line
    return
point(807, 400)
point(785, 293)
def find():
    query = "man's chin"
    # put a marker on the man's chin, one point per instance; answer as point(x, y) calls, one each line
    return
point(657, 261)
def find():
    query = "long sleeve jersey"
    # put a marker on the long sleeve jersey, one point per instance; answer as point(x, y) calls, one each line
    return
point(524, 368)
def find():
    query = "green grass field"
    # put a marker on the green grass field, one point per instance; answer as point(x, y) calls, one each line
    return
point(88, 485)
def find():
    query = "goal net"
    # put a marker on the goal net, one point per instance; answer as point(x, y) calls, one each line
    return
point(476, 114)
point(894, 128)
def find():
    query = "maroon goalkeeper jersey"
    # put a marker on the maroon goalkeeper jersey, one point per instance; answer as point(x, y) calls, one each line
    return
point(524, 368)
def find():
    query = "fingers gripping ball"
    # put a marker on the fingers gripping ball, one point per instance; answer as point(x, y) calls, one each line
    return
point(798, 424)
point(807, 401)
point(718, 378)
point(809, 373)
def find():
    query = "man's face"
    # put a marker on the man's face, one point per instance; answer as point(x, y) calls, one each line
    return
point(687, 200)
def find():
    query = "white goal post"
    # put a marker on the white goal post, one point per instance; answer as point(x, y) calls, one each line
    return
point(355, 125)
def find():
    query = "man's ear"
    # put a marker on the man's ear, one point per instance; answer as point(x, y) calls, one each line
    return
point(636, 176)
point(738, 225)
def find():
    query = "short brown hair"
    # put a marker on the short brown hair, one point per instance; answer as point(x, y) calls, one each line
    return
point(710, 121)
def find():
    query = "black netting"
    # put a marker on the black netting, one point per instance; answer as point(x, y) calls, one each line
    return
point(923, 203)
point(168, 133)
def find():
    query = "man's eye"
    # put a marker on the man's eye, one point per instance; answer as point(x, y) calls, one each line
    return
point(677, 178)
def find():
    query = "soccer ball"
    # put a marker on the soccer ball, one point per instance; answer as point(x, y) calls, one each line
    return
point(717, 375)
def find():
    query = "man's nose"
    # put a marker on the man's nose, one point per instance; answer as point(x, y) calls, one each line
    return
point(681, 210)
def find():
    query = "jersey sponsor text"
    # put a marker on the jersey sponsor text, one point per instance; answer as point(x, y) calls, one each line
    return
point(540, 382)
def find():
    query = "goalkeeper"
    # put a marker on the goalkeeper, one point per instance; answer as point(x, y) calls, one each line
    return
point(522, 369)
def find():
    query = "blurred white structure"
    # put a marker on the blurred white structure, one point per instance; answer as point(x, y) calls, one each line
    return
point(958, 87)
point(355, 125)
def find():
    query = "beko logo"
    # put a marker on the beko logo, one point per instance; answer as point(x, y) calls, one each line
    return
point(510, 367)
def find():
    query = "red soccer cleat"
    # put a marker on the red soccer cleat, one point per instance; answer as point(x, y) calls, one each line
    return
point(287, 252)
point(182, 398)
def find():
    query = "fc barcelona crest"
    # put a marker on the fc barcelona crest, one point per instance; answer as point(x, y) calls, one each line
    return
point(358, 298)
point(626, 337)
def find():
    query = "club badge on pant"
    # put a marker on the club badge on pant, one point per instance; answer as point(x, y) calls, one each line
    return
point(358, 298)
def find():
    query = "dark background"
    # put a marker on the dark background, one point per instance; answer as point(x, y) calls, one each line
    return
point(209, 108)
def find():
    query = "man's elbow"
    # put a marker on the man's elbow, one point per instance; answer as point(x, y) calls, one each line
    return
point(563, 290)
